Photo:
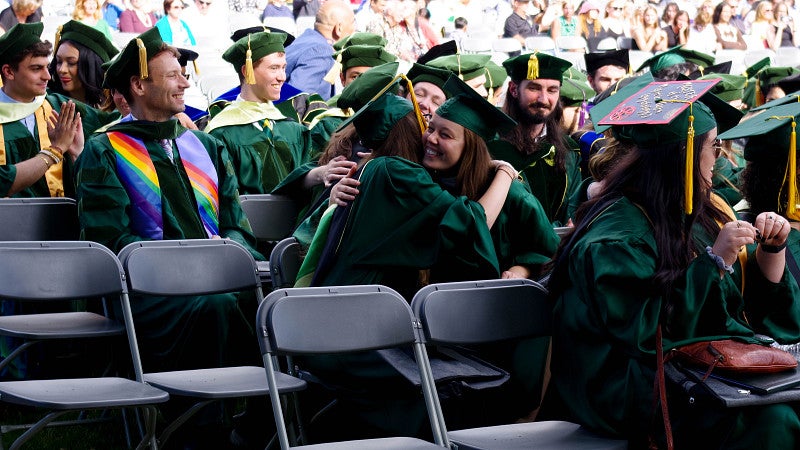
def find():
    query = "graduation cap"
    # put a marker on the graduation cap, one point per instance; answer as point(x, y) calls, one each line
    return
point(358, 93)
point(238, 34)
point(360, 39)
point(18, 38)
point(720, 69)
point(132, 60)
point(466, 67)
point(251, 48)
point(773, 139)
point(596, 60)
point(665, 112)
point(363, 56)
point(763, 80)
point(87, 36)
point(676, 55)
point(755, 68)
point(424, 73)
point(532, 66)
point(495, 77)
point(575, 90)
point(614, 95)
point(752, 92)
point(729, 88)
point(468, 109)
point(790, 84)
point(443, 49)
point(186, 56)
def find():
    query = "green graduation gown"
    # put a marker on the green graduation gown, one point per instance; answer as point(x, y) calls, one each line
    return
point(204, 331)
point(725, 181)
point(553, 189)
point(605, 322)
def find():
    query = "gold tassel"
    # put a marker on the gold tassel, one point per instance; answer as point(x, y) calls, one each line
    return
point(689, 182)
point(759, 94)
point(490, 95)
point(533, 67)
point(792, 210)
point(142, 59)
point(460, 75)
point(249, 73)
point(333, 74)
point(58, 37)
point(196, 70)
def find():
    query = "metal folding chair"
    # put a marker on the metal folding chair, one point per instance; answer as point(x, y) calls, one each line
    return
point(284, 263)
point(272, 218)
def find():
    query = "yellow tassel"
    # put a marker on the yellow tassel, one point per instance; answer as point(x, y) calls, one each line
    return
point(689, 183)
point(58, 37)
point(249, 73)
point(759, 94)
point(196, 70)
point(142, 59)
point(533, 67)
point(792, 210)
point(421, 121)
point(336, 69)
point(490, 96)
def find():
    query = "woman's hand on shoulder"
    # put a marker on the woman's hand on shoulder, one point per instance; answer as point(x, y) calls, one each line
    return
point(336, 169)
point(503, 166)
point(344, 191)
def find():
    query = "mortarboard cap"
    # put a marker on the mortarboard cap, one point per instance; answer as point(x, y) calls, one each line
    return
point(424, 73)
point(614, 95)
point(597, 60)
point(755, 68)
point(363, 56)
point(532, 66)
point(790, 84)
point(468, 109)
point(187, 55)
point(722, 68)
point(729, 88)
point(443, 49)
point(495, 77)
point(358, 93)
point(360, 39)
point(790, 98)
point(575, 89)
point(87, 36)
point(18, 38)
point(758, 87)
point(252, 47)
point(665, 112)
point(676, 55)
point(132, 60)
point(238, 34)
point(466, 67)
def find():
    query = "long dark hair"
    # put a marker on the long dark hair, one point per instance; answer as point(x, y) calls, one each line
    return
point(404, 140)
point(90, 74)
point(761, 183)
point(474, 167)
point(520, 138)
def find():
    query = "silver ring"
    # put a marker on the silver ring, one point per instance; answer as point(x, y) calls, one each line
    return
point(780, 223)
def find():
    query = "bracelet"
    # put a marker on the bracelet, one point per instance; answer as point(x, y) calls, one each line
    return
point(720, 262)
point(502, 169)
point(51, 154)
point(772, 248)
point(44, 160)
point(55, 147)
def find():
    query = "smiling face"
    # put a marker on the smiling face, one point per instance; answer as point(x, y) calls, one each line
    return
point(28, 81)
point(160, 96)
point(270, 74)
point(443, 142)
point(708, 156)
point(429, 96)
point(67, 70)
point(537, 99)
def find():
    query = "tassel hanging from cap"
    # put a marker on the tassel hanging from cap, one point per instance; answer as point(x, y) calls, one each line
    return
point(490, 95)
point(58, 37)
point(336, 69)
point(249, 72)
point(196, 69)
point(792, 207)
point(460, 75)
point(533, 67)
point(759, 94)
point(583, 112)
point(689, 182)
point(142, 59)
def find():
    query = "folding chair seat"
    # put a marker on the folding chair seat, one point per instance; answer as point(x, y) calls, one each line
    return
point(177, 269)
point(272, 218)
point(339, 320)
point(481, 312)
point(75, 270)
point(284, 263)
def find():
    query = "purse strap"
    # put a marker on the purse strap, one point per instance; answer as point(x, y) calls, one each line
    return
point(660, 391)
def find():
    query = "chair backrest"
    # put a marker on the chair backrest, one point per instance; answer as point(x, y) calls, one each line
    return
point(476, 45)
point(539, 43)
point(272, 217)
point(787, 57)
point(189, 267)
point(753, 56)
point(608, 43)
point(576, 58)
point(572, 43)
point(638, 57)
point(466, 313)
point(624, 42)
point(284, 263)
point(39, 219)
point(506, 45)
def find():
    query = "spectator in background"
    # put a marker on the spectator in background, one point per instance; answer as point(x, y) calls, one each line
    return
point(519, 24)
point(430, 35)
point(306, 8)
point(276, 8)
point(88, 13)
point(678, 32)
point(670, 11)
point(762, 28)
point(369, 12)
point(172, 29)
point(589, 24)
point(137, 19)
point(701, 33)
point(398, 27)
point(615, 23)
point(567, 24)
point(111, 11)
point(728, 36)
point(786, 32)
point(460, 32)
point(20, 11)
point(647, 35)
point(204, 19)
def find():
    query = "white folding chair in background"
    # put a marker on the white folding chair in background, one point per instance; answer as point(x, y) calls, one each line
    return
point(787, 57)
point(476, 45)
point(735, 56)
point(607, 44)
point(75, 270)
point(753, 56)
point(637, 57)
point(575, 44)
point(544, 44)
point(304, 23)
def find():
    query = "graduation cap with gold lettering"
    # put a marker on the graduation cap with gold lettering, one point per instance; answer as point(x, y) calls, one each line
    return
point(614, 95)
point(18, 38)
point(532, 66)
point(664, 113)
point(252, 47)
point(87, 36)
point(773, 139)
point(132, 60)
point(468, 109)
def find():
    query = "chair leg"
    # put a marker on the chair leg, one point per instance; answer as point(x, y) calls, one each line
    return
point(24, 437)
point(16, 352)
point(182, 419)
point(149, 440)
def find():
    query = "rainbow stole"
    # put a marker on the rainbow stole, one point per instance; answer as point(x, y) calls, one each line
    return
point(138, 175)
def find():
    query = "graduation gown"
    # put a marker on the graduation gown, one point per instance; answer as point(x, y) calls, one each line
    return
point(553, 189)
point(203, 331)
point(264, 146)
point(725, 181)
point(605, 321)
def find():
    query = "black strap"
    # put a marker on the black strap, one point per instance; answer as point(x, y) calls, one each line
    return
point(792, 263)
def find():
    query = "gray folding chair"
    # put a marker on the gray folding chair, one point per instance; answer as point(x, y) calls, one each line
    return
point(324, 320)
point(199, 267)
point(74, 270)
point(272, 218)
point(480, 312)
point(39, 219)
point(284, 263)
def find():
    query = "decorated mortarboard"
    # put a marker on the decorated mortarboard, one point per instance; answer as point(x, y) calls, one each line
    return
point(614, 95)
point(676, 55)
point(722, 68)
point(773, 139)
point(363, 56)
point(532, 66)
point(596, 60)
point(443, 49)
point(360, 39)
point(420, 73)
point(359, 92)
point(87, 36)
point(725, 114)
point(132, 60)
point(252, 47)
point(663, 113)
point(466, 67)
point(18, 38)
point(575, 91)
point(238, 34)
point(729, 88)
point(187, 55)
point(468, 109)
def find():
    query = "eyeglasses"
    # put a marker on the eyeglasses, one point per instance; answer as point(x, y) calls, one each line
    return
point(767, 10)
point(717, 148)
point(617, 8)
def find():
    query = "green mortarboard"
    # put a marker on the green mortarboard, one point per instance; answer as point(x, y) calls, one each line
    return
point(770, 76)
point(773, 139)
point(665, 112)
point(730, 87)
point(725, 115)
point(751, 71)
point(18, 38)
point(790, 84)
point(132, 60)
point(468, 109)
point(790, 98)
point(532, 66)
point(427, 74)
point(676, 55)
point(363, 56)
point(614, 95)
point(87, 36)
point(360, 39)
point(596, 60)
point(249, 49)
point(575, 89)
point(722, 68)
point(242, 32)
point(466, 67)
point(358, 93)
point(495, 75)
point(375, 120)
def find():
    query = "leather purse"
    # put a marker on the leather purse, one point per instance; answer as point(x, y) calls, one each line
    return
point(735, 356)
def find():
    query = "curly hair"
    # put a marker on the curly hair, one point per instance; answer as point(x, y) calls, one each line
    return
point(90, 74)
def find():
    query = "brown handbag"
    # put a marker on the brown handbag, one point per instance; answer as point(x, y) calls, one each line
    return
point(735, 356)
